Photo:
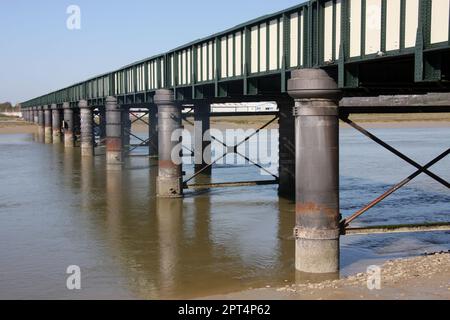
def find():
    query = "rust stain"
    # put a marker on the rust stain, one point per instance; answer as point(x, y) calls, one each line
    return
point(314, 215)
point(113, 144)
point(166, 164)
point(313, 208)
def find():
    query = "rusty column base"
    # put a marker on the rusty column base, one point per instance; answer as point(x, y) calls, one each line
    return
point(317, 255)
point(114, 154)
point(56, 137)
point(69, 141)
point(169, 187)
point(48, 132)
point(41, 134)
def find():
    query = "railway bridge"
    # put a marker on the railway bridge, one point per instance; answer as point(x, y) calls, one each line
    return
point(320, 61)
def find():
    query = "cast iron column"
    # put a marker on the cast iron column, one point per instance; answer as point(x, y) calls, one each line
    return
point(48, 124)
point(56, 122)
point(153, 131)
point(102, 124)
point(69, 139)
point(317, 170)
point(113, 134)
point(41, 124)
point(87, 129)
point(169, 181)
point(286, 149)
point(126, 128)
point(36, 115)
point(202, 138)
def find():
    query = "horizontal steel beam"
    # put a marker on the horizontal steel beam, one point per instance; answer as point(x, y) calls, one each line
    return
point(230, 184)
point(405, 228)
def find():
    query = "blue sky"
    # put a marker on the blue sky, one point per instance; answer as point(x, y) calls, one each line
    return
point(38, 54)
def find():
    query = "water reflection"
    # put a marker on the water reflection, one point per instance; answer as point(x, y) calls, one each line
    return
point(131, 244)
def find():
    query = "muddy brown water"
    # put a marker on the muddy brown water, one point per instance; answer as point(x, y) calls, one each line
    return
point(57, 209)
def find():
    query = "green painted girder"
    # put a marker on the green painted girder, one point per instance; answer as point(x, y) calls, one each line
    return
point(229, 56)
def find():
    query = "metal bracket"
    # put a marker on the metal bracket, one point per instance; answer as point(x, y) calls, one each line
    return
point(316, 234)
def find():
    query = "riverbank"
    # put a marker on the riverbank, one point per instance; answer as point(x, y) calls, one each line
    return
point(422, 277)
point(15, 125)
point(12, 125)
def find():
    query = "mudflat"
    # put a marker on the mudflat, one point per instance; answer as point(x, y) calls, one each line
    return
point(422, 277)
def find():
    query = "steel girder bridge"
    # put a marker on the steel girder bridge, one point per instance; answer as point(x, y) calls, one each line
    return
point(375, 45)
point(305, 58)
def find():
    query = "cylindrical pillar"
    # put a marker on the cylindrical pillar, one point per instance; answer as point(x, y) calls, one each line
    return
point(317, 171)
point(202, 138)
point(36, 115)
point(56, 123)
point(153, 131)
point(113, 133)
point(69, 139)
point(48, 129)
point(87, 129)
point(169, 181)
point(126, 127)
point(102, 124)
point(286, 149)
point(40, 123)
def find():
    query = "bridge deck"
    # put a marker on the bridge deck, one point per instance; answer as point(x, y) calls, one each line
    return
point(376, 45)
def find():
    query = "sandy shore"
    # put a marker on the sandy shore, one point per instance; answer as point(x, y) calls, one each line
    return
point(423, 277)
point(10, 125)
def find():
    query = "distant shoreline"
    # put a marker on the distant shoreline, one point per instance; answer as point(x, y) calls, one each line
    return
point(13, 125)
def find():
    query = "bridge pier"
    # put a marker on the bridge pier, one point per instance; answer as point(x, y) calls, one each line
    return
point(114, 145)
point(169, 180)
point(69, 139)
point(126, 128)
point(286, 149)
point(102, 124)
point(41, 124)
point(36, 115)
point(153, 131)
point(56, 123)
point(317, 171)
point(87, 129)
point(202, 138)
point(48, 124)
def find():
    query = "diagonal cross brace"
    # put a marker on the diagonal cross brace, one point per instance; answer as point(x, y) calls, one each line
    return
point(394, 151)
point(233, 150)
point(423, 169)
point(139, 118)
